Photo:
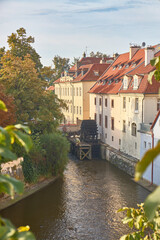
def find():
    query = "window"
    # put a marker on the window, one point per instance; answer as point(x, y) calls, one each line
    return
point(95, 117)
point(105, 102)
point(95, 101)
point(80, 110)
point(135, 145)
point(77, 110)
point(135, 85)
point(134, 129)
point(124, 126)
point(80, 91)
point(145, 144)
point(100, 101)
point(125, 83)
point(100, 119)
point(105, 135)
point(106, 121)
point(112, 138)
point(149, 145)
point(112, 103)
point(77, 91)
point(73, 91)
point(119, 141)
point(124, 102)
point(129, 99)
point(136, 104)
point(112, 123)
point(158, 104)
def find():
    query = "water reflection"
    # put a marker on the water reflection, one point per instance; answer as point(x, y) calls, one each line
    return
point(80, 206)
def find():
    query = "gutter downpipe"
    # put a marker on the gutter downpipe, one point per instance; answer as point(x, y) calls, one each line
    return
point(152, 160)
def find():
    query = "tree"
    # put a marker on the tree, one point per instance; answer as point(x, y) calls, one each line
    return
point(20, 46)
point(60, 65)
point(7, 118)
point(47, 73)
point(21, 80)
point(98, 54)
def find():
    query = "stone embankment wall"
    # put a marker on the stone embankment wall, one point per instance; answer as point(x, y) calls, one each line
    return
point(13, 168)
point(121, 160)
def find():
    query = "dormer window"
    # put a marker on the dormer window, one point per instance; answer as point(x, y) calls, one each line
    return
point(114, 67)
point(134, 65)
point(96, 73)
point(120, 66)
point(135, 84)
point(125, 83)
point(127, 66)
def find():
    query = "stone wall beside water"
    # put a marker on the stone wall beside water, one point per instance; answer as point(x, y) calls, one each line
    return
point(121, 160)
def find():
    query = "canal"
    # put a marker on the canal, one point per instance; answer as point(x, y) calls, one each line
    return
point(82, 205)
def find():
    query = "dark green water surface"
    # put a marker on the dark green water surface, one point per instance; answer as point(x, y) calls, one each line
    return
point(82, 205)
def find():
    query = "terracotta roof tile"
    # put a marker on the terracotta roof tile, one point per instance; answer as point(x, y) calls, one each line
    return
point(118, 70)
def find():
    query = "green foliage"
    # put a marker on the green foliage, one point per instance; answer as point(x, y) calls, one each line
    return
point(55, 148)
point(48, 157)
point(8, 231)
point(156, 73)
point(3, 106)
point(98, 54)
point(29, 171)
point(149, 156)
point(20, 46)
point(60, 65)
point(137, 220)
point(9, 185)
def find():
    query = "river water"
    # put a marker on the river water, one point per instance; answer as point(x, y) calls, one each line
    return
point(82, 205)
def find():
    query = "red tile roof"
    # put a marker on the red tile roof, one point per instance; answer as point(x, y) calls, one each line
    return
point(89, 60)
point(111, 81)
point(57, 81)
point(91, 70)
point(51, 88)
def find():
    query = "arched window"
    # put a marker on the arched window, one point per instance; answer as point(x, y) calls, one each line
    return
point(134, 129)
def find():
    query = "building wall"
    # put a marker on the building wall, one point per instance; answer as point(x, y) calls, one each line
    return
point(86, 99)
point(150, 108)
point(131, 115)
point(76, 96)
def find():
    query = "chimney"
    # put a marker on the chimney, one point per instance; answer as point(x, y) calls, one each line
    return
point(133, 50)
point(102, 60)
point(149, 54)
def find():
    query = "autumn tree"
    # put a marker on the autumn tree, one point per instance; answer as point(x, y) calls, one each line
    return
point(20, 46)
point(47, 73)
point(7, 117)
point(60, 64)
point(21, 80)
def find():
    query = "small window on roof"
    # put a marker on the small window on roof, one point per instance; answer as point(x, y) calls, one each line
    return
point(125, 83)
point(120, 66)
point(96, 73)
point(127, 66)
point(134, 65)
point(135, 84)
point(114, 67)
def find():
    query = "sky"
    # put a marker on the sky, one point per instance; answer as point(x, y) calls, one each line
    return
point(69, 27)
